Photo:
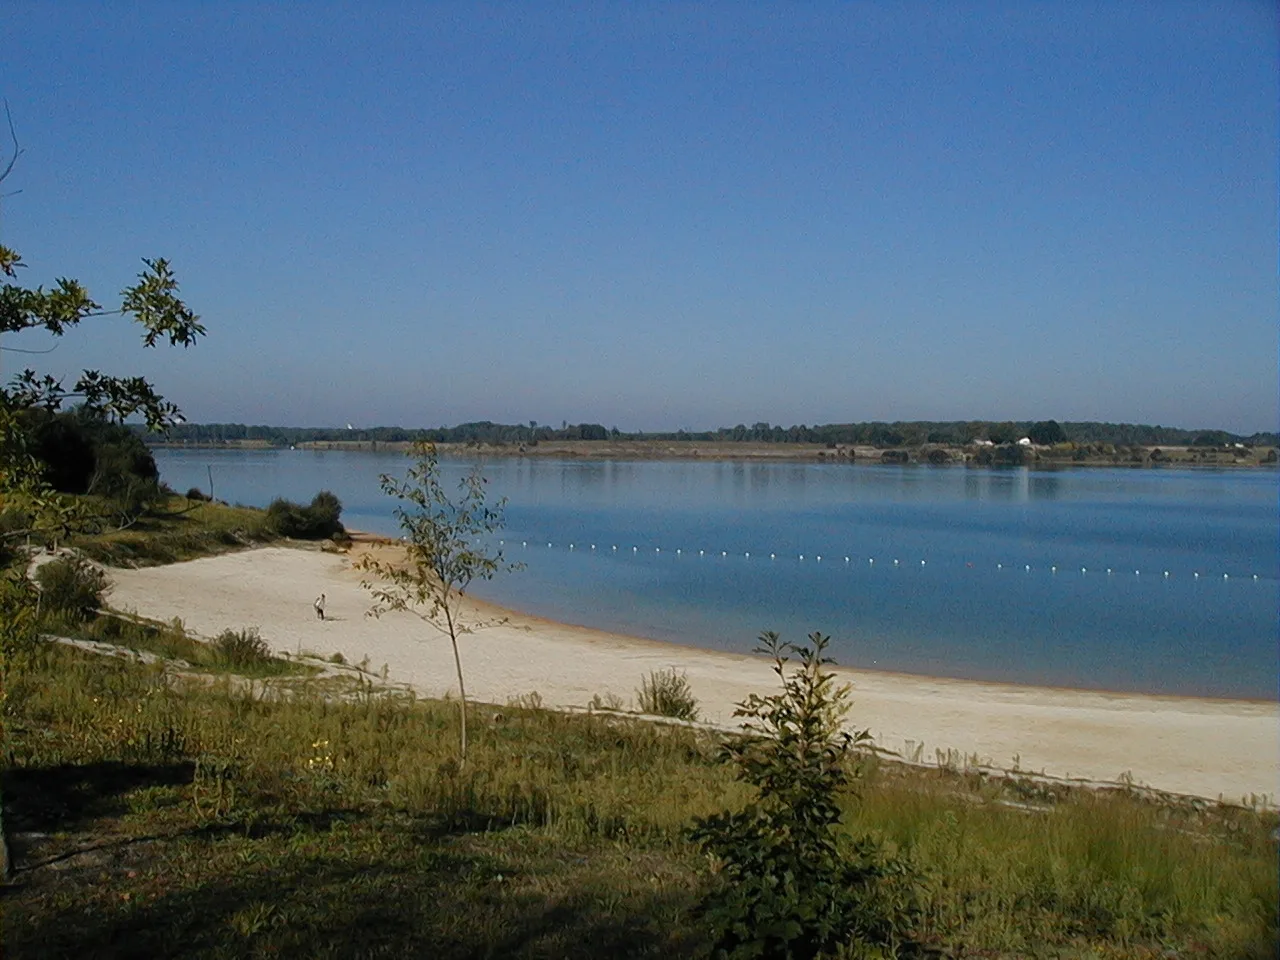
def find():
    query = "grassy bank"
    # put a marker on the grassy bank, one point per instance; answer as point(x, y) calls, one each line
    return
point(178, 529)
point(153, 816)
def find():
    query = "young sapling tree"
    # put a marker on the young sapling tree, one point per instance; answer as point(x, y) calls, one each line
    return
point(790, 882)
point(444, 553)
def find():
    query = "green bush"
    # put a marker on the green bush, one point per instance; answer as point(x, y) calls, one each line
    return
point(790, 883)
point(83, 452)
point(240, 648)
point(317, 521)
point(665, 693)
point(195, 493)
point(71, 588)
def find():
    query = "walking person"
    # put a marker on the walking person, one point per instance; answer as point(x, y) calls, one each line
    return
point(319, 605)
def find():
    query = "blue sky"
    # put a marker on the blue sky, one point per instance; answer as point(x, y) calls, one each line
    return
point(665, 215)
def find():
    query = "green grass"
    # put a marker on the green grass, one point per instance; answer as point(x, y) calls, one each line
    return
point(205, 821)
point(172, 642)
point(178, 529)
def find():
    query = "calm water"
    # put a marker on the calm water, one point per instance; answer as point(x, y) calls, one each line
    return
point(959, 601)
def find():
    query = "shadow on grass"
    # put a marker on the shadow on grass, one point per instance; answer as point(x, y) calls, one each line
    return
point(331, 895)
point(67, 796)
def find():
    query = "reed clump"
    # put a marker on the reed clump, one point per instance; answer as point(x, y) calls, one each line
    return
point(666, 693)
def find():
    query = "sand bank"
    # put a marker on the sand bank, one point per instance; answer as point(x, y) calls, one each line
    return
point(1208, 748)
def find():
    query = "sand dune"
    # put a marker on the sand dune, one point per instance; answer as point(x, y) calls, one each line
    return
point(1208, 748)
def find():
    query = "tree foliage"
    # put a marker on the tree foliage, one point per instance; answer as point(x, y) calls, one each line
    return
point(315, 521)
point(790, 883)
point(154, 304)
point(872, 434)
point(1046, 433)
point(444, 553)
point(30, 398)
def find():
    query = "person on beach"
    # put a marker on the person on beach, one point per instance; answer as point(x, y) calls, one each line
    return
point(319, 605)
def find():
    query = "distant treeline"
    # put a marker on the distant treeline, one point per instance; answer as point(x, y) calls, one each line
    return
point(876, 434)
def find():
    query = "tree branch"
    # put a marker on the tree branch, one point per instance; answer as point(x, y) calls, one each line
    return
point(17, 149)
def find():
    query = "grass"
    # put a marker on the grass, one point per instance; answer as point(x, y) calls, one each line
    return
point(232, 652)
point(178, 529)
point(666, 693)
point(153, 818)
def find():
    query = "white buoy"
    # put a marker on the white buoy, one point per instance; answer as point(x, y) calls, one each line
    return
point(1084, 570)
point(593, 546)
point(635, 549)
point(700, 553)
point(678, 551)
point(1108, 571)
point(802, 556)
point(1137, 573)
point(548, 543)
point(1028, 566)
point(1196, 574)
point(748, 554)
point(999, 566)
point(1255, 576)
point(1166, 573)
point(773, 556)
point(819, 558)
point(524, 543)
point(571, 546)
point(615, 547)
point(846, 559)
point(895, 563)
point(1226, 577)
point(657, 549)
point(1053, 569)
point(501, 542)
point(871, 559)
point(724, 553)
point(922, 563)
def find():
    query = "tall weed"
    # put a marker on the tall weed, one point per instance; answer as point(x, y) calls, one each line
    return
point(666, 693)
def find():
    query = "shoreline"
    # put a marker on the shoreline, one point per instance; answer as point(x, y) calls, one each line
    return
point(1170, 456)
point(1013, 685)
point(493, 608)
point(1204, 747)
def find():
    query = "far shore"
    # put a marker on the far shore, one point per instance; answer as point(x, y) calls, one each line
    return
point(1038, 457)
point(1216, 749)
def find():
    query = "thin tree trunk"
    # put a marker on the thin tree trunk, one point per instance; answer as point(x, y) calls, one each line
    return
point(462, 706)
point(462, 687)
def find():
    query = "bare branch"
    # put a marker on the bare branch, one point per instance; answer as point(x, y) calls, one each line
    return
point(17, 149)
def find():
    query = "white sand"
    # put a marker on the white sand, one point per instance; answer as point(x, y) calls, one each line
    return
point(1208, 748)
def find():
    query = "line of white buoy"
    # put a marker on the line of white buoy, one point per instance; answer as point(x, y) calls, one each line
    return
point(897, 562)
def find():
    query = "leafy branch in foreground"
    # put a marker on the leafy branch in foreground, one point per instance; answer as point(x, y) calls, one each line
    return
point(789, 883)
point(444, 553)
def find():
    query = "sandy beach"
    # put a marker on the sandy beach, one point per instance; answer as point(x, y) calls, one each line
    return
point(1207, 748)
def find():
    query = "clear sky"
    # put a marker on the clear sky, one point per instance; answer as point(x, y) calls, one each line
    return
point(658, 216)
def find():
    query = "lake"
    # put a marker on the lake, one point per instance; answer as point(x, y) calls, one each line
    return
point(1154, 581)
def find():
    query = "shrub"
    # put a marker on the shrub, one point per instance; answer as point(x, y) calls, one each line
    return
point(240, 648)
point(665, 693)
point(195, 493)
point(317, 521)
point(790, 884)
point(71, 588)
